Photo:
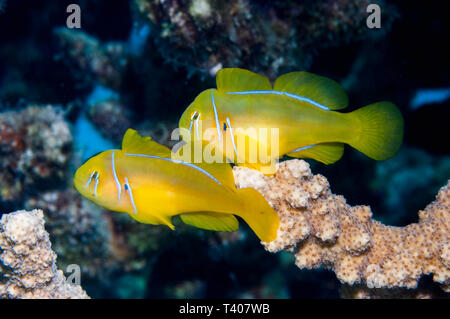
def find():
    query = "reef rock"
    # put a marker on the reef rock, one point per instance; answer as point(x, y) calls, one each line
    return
point(28, 268)
point(264, 36)
point(35, 148)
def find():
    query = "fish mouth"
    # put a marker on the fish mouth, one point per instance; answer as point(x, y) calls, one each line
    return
point(77, 181)
point(80, 179)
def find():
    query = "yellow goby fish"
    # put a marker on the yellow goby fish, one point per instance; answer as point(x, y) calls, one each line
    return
point(301, 107)
point(144, 181)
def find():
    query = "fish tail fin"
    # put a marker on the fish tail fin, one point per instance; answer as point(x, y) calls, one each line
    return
point(380, 131)
point(258, 214)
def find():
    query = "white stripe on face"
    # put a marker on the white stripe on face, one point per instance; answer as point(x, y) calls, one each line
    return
point(119, 187)
point(232, 138)
point(130, 193)
point(216, 117)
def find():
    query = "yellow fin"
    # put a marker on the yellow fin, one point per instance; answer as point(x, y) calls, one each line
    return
point(380, 131)
point(236, 80)
point(326, 153)
point(221, 171)
point(258, 214)
point(154, 219)
point(314, 87)
point(134, 143)
point(211, 221)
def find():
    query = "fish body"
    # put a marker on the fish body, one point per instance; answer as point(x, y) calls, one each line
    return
point(144, 181)
point(277, 111)
point(301, 107)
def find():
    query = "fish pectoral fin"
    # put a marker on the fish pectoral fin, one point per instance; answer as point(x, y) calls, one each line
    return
point(211, 221)
point(320, 89)
point(238, 80)
point(154, 219)
point(136, 144)
point(326, 153)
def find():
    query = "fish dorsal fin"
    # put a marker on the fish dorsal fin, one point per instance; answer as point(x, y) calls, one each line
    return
point(326, 153)
point(136, 144)
point(211, 221)
point(238, 80)
point(222, 171)
point(319, 89)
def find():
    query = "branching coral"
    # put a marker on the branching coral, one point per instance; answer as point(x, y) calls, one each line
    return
point(323, 230)
point(28, 262)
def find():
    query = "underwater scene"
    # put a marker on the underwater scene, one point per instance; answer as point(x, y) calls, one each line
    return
point(238, 149)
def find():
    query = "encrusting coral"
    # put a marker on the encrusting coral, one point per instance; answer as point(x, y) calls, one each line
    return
point(28, 268)
point(324, 231)
point(79, 231)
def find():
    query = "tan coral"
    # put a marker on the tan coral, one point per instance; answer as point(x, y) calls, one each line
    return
point(28, 264)
point(362, 292)
point(324, 230)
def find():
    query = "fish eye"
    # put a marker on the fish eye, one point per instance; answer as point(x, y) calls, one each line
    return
point(195, 115)
point(93, 176)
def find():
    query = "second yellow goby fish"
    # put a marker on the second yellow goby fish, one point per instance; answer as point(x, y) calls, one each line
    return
point(144, 181)
point(301, 106)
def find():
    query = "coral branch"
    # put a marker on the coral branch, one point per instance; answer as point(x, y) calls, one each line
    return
point(28, 263)
point(324, 231)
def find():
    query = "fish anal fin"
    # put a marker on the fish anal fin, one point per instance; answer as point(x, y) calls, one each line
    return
point(326, 153)
point(134, 143)
point(238, 80)
point(314, 87)
point(211, 221)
